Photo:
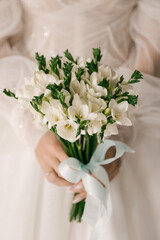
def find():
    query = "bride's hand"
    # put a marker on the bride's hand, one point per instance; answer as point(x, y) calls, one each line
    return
point(50, 153)
point(111, 168)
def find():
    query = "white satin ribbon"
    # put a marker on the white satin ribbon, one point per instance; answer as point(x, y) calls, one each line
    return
point(98, 205)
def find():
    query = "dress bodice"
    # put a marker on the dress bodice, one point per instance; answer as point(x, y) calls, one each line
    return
point(79, 26)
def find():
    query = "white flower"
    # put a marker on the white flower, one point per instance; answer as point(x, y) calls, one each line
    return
point(25, 95)
point(53, 112)
point(119, 112)
point(111, 129)
point(67, 96)
point(95, 125)
point(82, 61)
point(38, 121)
point(27, 91)
point(41, 80)
point(78, 87)
point(107, 72)
point(80, 109)
point(95, 89)
point(96, 104)
point(67, 129)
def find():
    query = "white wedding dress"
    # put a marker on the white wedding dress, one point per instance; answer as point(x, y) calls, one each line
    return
point(128, 32)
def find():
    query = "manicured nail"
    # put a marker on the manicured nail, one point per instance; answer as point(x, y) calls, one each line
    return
point(77, 199)
point(75, 187)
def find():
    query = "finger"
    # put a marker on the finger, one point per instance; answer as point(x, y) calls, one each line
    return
point(54, 163)
point(79, 197)
point(58, 181)
point(52, 176)
point(61, 155)
point(58, 151)
point(77, 188)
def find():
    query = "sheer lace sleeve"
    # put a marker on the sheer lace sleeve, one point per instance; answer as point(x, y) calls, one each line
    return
point(13, 70)
point(145, 32)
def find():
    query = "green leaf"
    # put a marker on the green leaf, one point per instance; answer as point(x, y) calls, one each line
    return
point(68, 74)
point(101, 134)
point(79, 74)
point(82, 125)
point(137, 75)
point(92, 67)
point(41, 61)
point(69, 56)
point(9, 93)
point(133, 81)
point(34, 105)
point(131, 99)
point(61, 98)
point(57, 94)
point(110, 120)
point(54, 64)
point(97, 54)
point(117, 91)
point(38, 100)
point(54, 86)
point(104, 83)
point(120, 81)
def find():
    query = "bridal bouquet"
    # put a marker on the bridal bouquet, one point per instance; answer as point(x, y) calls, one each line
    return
point(81, 101)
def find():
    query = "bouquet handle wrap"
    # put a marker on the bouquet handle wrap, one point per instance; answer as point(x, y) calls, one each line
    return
point(98, 205)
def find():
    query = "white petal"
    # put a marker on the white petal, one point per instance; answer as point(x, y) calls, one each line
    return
point(72, 112)
point(67, 130)
point(113, 104)
point(123, 106)
point(124, 120)
point(111, 129)
point(83, 110)
point(76, 100)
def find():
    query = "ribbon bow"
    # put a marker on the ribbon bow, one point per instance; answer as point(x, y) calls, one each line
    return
point(98, 205)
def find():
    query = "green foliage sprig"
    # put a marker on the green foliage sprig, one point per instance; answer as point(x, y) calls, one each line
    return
point(9, 93)
point(57, 94)
point(69, 56)
point(41, 61)
point(55, 63)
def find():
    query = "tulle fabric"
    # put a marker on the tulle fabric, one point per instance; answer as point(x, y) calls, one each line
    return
point(128, 33)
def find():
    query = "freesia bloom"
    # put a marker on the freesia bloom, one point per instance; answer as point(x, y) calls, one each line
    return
point(67, 129)
point(53, 112)
point(95, 125)
point(119, 112)
point(111, 129)
point(78, 87)
point(80, 109)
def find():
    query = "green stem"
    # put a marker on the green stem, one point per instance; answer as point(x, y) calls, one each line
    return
point(79, 150)
point(93, 144)
point(87, 148)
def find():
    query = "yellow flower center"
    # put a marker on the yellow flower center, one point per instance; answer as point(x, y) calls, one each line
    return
point(68, 126)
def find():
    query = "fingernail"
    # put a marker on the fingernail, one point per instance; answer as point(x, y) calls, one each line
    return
point(77, 199)
point(75, 187)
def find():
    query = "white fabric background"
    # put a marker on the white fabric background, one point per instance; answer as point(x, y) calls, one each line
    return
point(128, 33)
